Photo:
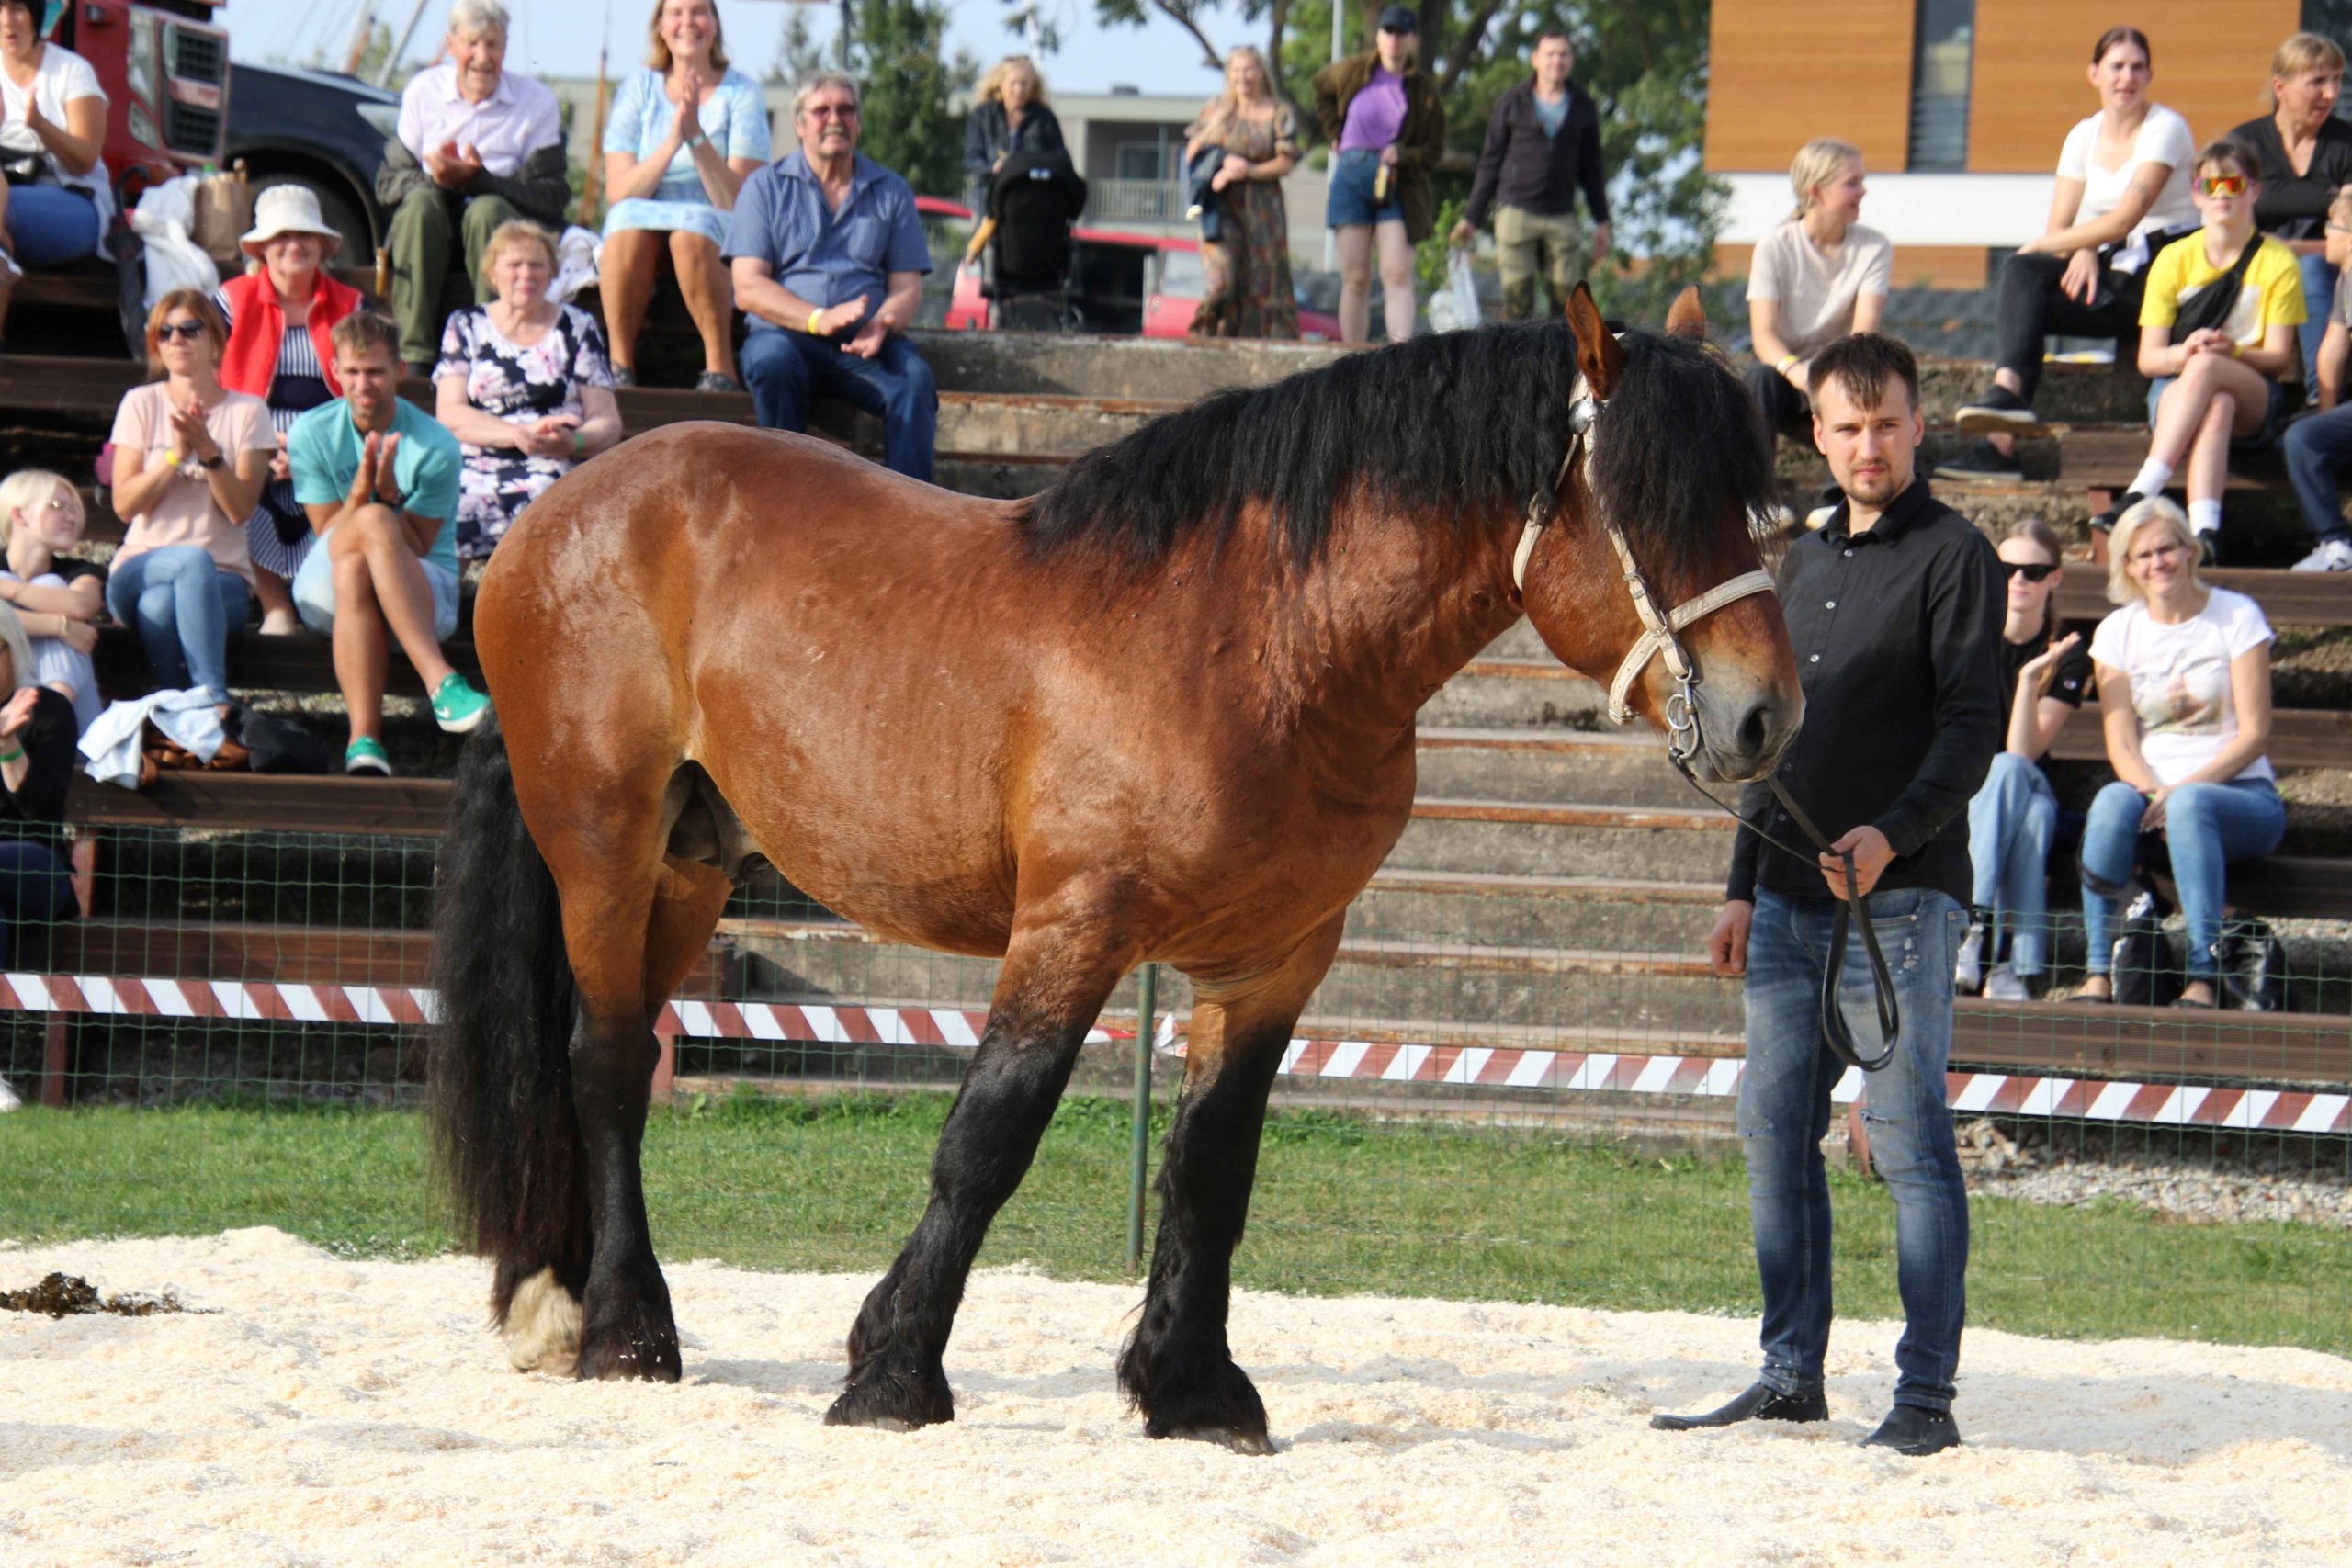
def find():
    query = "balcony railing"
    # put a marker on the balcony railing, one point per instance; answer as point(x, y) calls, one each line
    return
point(1135, 201)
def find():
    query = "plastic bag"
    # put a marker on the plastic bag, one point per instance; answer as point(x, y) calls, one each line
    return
point(166, 220)
point(578, 255)
point(1456, 306)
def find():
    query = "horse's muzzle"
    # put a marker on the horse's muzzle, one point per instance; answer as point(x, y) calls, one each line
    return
point(1743, 731)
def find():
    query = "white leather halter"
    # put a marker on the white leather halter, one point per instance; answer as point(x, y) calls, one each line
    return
point(1657, 639)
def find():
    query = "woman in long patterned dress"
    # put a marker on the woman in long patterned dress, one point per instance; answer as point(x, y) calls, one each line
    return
point(524, 385)
point(1247, 267)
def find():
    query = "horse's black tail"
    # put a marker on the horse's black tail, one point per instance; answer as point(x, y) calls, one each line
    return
point(498, 1076)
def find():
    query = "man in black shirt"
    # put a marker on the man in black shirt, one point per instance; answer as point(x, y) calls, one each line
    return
point(1543, 146)
point(1894, 611)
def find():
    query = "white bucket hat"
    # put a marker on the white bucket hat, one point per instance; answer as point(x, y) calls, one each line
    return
point(288, 209)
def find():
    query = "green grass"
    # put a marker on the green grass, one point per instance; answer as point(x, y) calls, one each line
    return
point(1343, 1206)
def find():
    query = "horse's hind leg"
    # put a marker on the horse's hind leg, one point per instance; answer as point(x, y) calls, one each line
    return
point(1177, 1367)
point(546, 1321)
point(1052, 985)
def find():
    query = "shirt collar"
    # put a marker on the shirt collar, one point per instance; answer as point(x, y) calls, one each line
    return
point(503, 94)
point(794, 166)
point(1892, 524)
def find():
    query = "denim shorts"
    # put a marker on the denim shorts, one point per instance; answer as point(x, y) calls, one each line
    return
point(314, 592)
point(2273, 418)
point(1351, 199)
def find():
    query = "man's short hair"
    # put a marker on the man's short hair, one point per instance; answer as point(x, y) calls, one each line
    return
point(1863, 362)
point(361, 330)
point(817, 83)
point(471, 19)
point(1547, 35)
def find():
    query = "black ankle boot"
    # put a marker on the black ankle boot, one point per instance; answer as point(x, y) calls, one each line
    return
point(1908, 1430)
point(1757, 1403)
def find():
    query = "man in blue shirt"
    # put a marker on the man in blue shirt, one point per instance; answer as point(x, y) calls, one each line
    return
point(828, 257)
point(378, 479)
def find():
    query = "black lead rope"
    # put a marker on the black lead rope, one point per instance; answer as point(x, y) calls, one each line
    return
point(1850, 912)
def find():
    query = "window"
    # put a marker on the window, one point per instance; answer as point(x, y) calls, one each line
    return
point(1943, 45)
point(1138, 161)
point(2330, 19)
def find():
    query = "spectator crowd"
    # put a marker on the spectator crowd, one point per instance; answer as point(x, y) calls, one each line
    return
point(271, 465)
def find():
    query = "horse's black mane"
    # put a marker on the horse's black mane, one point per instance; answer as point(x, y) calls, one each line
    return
point(1453, 425)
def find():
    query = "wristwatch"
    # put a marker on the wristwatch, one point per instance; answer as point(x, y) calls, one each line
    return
point(697, 138)
point(214, 461)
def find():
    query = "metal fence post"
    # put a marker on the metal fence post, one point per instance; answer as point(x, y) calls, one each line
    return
point(1139, 1162)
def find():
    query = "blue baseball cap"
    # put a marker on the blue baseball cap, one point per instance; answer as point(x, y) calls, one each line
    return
point(1399, 19)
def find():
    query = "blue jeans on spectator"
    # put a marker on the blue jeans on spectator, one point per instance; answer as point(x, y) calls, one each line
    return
point(784, 369)
point(35, 886)
point(2319, 449)
point(184, 605)
point(49, 225)
point(2010, 825)
point(2206, 826)
point(2319, 302)
point(1784, 1112)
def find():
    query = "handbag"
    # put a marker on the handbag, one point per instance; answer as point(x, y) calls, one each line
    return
point(2140, 966)
point(2211, 309)
point(29, 169)
point(2253, 964)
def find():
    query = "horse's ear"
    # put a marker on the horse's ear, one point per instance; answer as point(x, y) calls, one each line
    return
point(1688, 318)
point(1597, 353)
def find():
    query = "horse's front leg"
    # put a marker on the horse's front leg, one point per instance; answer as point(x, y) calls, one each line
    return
point(1177, 1367)
point(1054, 983)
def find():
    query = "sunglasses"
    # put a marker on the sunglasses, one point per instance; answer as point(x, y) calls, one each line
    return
point(2222, 186)
point(188, 331)
point(830, 111)
point(2030, 573)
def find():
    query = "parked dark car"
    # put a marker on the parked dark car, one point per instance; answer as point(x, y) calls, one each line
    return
point(316, 128)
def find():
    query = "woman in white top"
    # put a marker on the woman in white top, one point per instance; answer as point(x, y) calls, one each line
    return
point(2184, 690)
point(1815, 278)
point(2122, 193)
point(55, 203)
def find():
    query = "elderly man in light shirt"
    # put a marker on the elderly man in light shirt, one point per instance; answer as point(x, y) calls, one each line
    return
point(475, 146)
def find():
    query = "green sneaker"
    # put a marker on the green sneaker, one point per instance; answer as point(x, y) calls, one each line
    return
point(457, 706)
point(366, 756)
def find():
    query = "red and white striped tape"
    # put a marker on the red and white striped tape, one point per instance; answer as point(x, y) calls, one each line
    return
point(1469, 1067)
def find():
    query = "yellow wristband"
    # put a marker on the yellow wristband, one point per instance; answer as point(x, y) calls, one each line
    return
point(1786, 360)
point(2236, 349)
point(811, 327)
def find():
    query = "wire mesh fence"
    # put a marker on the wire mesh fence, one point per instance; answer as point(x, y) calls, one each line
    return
point(1499, 1090)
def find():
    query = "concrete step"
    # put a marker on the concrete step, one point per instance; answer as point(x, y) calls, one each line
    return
point(1496, 909)
point(1436, 983)
point(1491, 837)
point(1097, 366)
point(1606, 767)
point(1515, 692)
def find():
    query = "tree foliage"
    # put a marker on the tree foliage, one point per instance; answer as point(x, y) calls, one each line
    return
point(897, 52)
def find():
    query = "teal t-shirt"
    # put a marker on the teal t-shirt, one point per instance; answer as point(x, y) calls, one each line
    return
point(323, 447)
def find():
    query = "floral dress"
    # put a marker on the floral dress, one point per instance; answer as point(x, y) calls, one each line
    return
point(1248, 291)
point(521, 386)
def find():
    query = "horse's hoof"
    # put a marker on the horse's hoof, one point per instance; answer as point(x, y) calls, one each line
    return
point(893, 1398)
point(1257, 1444)
point(641, 1347)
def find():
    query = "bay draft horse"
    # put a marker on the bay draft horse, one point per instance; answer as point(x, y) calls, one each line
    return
point(1163, 710)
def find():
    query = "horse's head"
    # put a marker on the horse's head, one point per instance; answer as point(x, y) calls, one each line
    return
point(1650, 582)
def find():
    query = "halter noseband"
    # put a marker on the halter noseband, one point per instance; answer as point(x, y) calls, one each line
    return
point(1658, 640)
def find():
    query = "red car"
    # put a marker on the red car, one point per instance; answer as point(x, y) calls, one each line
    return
point(1150, 284)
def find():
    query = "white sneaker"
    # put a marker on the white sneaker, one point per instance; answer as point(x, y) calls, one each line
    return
point(2332, 555)
point(2006, 985)
point(1968, 974)
point(280, 623)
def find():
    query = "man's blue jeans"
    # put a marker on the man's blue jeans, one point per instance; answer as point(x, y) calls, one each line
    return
point(184, 607)
point(784, 369)
point(1784, 1114)
point(2318, 450)
point(2011, 824)
point(2206, 826)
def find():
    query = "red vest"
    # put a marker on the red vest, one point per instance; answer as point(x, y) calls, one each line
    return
point(259, 327)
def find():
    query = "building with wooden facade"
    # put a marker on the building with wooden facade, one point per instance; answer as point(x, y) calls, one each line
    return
point(1959, 105)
